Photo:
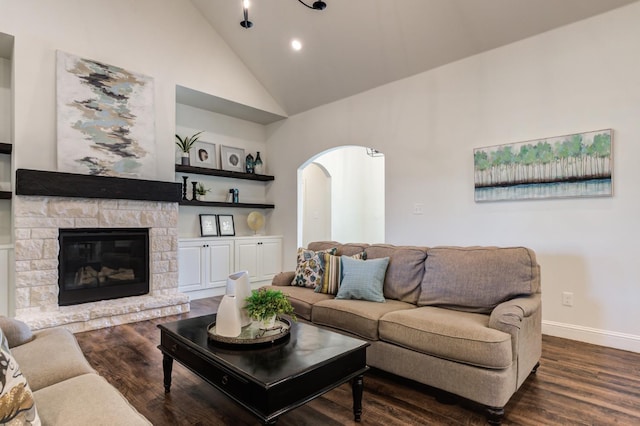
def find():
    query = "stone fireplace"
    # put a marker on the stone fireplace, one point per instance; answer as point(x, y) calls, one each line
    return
point(37, 223)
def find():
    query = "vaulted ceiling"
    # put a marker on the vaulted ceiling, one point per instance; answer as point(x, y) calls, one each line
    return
point(355, 45)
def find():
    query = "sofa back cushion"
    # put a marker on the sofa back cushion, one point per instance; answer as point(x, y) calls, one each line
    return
point(405, 270)
point(342, 249)
point(477, 279)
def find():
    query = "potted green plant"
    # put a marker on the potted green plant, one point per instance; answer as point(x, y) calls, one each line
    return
point(185, 144)
point(201, 191)
point(265, 304)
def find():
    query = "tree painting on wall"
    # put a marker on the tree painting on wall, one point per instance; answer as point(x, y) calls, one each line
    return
point(577, 165)
point(105, 119)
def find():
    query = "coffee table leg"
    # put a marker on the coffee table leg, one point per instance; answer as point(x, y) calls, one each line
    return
point(357, 387)
point(167, 366)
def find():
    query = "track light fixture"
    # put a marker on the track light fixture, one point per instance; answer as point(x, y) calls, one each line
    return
point(317, 5)
point(246, 23)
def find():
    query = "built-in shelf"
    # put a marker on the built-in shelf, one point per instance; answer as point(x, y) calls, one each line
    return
point(222, 173)
point(223, 204)
point(5, 195)
point(6, 148)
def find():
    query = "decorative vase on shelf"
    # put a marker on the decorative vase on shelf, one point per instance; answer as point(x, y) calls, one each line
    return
point(239, 286)
point(228, 317)
point(249, 163)
point(184, 159)
point(258, 167)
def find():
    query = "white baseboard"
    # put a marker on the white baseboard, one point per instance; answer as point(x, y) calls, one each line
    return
point(612, 339)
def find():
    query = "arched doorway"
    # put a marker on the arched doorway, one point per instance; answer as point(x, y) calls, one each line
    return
point(341, 196)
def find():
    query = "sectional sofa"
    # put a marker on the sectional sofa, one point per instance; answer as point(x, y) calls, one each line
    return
point(57, 377)
point(465, 320)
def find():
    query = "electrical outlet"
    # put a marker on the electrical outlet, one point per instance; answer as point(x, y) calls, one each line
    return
point(418, 208)
point(567, 298)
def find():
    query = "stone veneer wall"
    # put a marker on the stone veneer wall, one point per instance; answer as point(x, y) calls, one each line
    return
point(36, 224)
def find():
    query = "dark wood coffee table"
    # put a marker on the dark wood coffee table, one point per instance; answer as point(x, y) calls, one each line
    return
point(268, 381)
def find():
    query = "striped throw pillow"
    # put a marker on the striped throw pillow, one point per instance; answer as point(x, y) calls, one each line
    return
point(332, 277)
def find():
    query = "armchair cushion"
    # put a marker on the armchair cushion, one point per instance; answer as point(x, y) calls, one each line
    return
point(16, 332)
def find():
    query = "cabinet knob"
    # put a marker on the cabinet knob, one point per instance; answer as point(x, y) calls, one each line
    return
point(225, 379)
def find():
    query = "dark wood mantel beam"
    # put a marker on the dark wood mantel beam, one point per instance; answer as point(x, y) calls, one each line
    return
point(58, 184)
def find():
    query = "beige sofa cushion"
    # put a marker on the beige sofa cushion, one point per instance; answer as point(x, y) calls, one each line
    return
point(343, 249)
point(64, 358)
point(405, 270)
point(477, 279)
point(453, 335)
point(302, 299)
point(359, 317)
point(84, 400)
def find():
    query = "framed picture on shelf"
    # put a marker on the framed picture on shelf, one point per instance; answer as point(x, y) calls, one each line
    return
point(225, 224)
point(203, 154)
point(208, 225)
point(232, 158)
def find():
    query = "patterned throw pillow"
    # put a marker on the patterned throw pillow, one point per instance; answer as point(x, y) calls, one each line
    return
point(310, 267)
point(332, 277)
point(363, 279)
point(17, 405)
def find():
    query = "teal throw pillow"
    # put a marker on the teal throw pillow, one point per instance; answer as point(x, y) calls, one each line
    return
point(363, 279)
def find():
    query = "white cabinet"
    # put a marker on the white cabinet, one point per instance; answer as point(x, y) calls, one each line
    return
point(261, 256)
point(204, 265)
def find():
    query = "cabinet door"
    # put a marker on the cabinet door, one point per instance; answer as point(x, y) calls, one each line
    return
point(220, 262)
point(247, 257)
point(191, 266)
point(270, 251)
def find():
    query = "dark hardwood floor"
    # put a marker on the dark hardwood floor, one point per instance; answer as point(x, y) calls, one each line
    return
point(576, 384)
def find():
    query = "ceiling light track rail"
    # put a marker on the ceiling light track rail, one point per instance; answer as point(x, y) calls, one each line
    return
point(246, 23)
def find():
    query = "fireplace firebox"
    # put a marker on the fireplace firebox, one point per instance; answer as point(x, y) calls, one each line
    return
point(101, 264)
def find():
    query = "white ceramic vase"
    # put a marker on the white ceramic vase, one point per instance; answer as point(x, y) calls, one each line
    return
point(238, 285)
point(228, 317)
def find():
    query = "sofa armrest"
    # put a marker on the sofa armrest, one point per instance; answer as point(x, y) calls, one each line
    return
point(521, 317)
point(283, 278)
point(510, 314)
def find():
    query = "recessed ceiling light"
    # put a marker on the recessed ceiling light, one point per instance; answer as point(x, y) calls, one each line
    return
point(296, 45)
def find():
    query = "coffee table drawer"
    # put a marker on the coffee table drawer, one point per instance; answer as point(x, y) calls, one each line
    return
point(214, 373)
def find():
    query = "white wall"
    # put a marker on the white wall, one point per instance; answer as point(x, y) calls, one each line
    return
point(165, 39)
point(357, 194)
point(577, 78)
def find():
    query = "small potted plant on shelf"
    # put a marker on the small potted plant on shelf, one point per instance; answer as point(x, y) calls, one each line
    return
point(265, 304)
point(201, 191)
point(185, 144)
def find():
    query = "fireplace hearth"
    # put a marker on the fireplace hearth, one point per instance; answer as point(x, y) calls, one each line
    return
point(102, 264)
